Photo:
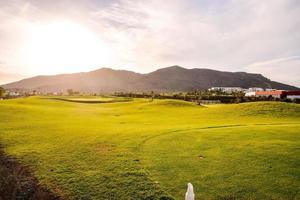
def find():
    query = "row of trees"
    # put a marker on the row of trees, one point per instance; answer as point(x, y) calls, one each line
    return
point(195, 96)
point(198, 96)
point(187, 96)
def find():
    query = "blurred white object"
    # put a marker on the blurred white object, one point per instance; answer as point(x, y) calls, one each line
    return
point(189, 195)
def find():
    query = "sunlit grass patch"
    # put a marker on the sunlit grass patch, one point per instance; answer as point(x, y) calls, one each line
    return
point(150, 149)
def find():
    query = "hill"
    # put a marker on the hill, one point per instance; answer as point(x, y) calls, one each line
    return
point(170, 79)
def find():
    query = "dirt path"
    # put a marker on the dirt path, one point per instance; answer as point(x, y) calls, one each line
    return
point(18, 183)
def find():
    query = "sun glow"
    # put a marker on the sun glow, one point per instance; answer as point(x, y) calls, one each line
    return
point(64, 47)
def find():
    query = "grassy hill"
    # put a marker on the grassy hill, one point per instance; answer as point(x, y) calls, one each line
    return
point(150, 150)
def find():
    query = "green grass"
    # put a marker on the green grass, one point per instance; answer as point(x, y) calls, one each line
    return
point(151, 150)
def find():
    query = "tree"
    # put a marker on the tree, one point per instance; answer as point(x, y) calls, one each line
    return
point(152, 96)
point(70, 92)
point(2, 91)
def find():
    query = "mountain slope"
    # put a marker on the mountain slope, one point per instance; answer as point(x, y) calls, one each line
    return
point(173, 78)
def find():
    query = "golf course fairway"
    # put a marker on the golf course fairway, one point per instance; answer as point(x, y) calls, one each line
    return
point(142, 149)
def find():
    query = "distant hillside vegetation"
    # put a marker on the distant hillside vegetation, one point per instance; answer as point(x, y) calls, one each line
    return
point(168, 79)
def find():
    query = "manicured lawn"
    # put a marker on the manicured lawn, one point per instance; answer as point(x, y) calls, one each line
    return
point(151, 150)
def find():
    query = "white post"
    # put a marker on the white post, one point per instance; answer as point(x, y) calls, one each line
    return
point(189, 195)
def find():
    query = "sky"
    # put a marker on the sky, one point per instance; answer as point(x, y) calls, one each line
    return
point(66, 36)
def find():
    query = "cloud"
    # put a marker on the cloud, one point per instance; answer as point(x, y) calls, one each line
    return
point(144, 35)
point(275, 61)
point(9, 77)
point(282, 69)
point(219, 34)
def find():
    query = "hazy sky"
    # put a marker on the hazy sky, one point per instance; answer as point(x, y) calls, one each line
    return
point(57, 36)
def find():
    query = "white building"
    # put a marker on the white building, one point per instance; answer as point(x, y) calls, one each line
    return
point(13, 94)
point(254, 89)
point(227, 89)
point(250, 94)
point(270, 89)
point(292, 97)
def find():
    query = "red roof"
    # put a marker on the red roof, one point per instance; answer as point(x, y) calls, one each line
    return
point(293, 92)
point(274, 92)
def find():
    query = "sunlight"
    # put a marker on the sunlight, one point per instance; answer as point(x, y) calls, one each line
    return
point(64, 47)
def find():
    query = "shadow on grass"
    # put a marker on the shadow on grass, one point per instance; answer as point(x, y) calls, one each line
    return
point(90, 101)
point(17, 181)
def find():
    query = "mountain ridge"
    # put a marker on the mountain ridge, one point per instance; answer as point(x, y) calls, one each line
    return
point(169, 79)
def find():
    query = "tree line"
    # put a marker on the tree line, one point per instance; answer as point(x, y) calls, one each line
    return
point(203, 95)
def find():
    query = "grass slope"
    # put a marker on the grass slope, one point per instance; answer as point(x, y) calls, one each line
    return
point(150, 150)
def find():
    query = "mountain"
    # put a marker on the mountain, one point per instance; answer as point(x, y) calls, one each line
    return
point(173, 78)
